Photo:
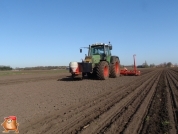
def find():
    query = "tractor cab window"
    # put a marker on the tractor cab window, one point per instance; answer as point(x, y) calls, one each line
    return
point(97, 50)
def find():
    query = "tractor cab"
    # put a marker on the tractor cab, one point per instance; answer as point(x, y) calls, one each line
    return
point(98, 52)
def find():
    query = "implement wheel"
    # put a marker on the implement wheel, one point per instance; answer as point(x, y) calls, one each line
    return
point(102, 70)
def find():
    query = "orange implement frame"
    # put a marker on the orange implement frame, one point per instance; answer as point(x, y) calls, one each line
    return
point(134, 72)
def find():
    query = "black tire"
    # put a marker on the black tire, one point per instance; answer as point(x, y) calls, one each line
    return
point(102, 70)
point(76, 77)
point(72, 76)
point(83, 74)
point(89, 75)
point(115, 68)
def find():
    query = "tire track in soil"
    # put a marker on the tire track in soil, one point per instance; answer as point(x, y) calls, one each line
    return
point(92, 112)
point(78, 117)
point(173, 90)
point(138, 108)
point(125, 115)
point(159, 113)
point(171, 107)
point(173, 85)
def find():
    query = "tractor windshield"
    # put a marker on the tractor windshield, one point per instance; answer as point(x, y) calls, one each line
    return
point(97, 50)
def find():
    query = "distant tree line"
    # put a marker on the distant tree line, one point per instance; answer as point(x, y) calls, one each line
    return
point(168, 64)
point(5, 68)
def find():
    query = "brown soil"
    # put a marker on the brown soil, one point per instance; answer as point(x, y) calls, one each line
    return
point(53, 103)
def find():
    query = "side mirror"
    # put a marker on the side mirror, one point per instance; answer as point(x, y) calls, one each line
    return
point(110, 47)
point(80, 50)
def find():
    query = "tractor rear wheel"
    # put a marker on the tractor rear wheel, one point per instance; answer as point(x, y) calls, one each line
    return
point(102, 70)
point(115, 69)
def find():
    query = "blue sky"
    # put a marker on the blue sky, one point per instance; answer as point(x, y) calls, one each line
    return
point(50, 32)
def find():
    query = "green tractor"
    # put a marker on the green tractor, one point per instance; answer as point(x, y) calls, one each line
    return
point(98, 63)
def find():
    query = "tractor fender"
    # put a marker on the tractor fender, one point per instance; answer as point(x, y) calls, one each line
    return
point(113, 58)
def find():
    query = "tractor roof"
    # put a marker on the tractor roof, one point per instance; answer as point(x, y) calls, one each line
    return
point(99, 44)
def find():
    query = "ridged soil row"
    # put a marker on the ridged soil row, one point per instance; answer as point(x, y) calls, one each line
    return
point(156, 120)
point(79, 117)
point(96, 109)
point(123, 121)
point(173, 90)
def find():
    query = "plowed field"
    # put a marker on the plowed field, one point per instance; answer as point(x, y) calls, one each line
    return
point(54, 104)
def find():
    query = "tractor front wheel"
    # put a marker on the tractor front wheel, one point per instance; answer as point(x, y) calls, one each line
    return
point(102, 70)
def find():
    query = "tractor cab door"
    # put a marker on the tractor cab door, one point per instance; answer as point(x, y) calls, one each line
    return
point(95, 54)
point(108, 54)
